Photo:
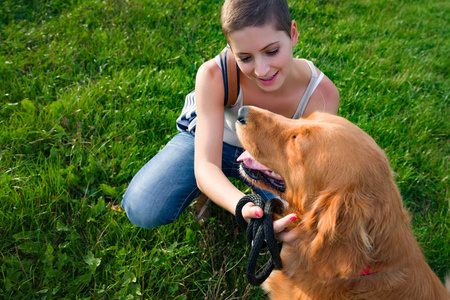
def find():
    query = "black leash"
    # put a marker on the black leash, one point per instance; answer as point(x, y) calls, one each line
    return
point(260, 234)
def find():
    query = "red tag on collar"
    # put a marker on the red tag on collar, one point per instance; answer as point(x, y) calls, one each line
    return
point(367, 271)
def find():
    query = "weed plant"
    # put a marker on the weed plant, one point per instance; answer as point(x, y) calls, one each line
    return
point(90, 91)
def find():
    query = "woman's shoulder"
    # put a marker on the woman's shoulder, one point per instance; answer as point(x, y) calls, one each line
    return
point(209, 73)
point(304, 66)
point(209, 83)
point(210, 67)
point(302, 72)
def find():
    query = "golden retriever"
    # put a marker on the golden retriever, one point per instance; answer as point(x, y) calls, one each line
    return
point(354, 239)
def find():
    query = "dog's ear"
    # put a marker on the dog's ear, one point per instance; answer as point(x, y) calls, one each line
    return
point(301, 137)
point(340, 244)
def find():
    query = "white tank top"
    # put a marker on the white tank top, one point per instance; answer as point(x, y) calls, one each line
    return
point(231, 112)
point(188, 118)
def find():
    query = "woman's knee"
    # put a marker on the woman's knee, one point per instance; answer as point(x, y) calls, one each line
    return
point(144, 211)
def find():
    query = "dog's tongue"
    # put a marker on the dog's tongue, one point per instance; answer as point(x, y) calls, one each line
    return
point(250, 162)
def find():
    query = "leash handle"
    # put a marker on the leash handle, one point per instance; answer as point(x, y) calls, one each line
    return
point(273, 205)
point(260, 234)
point(244, 200)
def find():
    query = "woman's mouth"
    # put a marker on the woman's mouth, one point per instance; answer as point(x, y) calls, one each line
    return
point(268, 80)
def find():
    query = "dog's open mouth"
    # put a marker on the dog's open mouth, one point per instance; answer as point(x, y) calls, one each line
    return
point(258, 172)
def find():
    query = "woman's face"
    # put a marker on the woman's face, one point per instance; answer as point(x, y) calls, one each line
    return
point(264, 54)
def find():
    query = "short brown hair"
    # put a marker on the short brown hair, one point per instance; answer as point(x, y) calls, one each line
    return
point(238, 14)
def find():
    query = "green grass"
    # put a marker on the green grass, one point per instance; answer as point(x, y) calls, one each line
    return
point(90, 91)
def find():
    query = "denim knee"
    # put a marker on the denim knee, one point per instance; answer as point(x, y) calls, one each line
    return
point(164, 186)
point(140, 214)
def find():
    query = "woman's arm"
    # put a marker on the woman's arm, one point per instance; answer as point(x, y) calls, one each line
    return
point(209, 94)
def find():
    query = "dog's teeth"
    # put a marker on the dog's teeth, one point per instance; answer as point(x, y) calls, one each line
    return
point(272, 174)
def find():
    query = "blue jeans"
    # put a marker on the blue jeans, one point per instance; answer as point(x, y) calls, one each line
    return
point(166, 185)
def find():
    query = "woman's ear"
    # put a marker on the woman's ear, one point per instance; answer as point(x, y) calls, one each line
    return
point(294, 33)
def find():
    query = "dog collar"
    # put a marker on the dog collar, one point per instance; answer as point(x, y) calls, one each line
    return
point(367, 271)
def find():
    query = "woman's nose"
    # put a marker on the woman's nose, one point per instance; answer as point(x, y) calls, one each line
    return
point(261, 67)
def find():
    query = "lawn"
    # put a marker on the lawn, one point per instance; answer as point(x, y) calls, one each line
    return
point(90, 91)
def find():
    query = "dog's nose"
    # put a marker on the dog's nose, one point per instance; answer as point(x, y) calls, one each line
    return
point(242, 114)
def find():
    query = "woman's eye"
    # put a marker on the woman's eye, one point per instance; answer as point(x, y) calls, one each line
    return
point(273, 52)
point(244, 59)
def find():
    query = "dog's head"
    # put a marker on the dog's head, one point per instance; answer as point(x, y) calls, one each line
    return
point(332, 174)
point(309, 155)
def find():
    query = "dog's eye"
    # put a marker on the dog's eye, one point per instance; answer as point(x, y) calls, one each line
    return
point(294, 136)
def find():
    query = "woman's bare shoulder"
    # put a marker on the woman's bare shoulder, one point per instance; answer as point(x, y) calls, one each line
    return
point(302, 70)
point(210, 69)
point(209, 83)
point(325, 98)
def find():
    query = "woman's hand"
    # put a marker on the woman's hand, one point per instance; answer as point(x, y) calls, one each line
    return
point(251, 211)
point(281, 234)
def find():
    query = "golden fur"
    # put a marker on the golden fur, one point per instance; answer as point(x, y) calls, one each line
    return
point(350, 213)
